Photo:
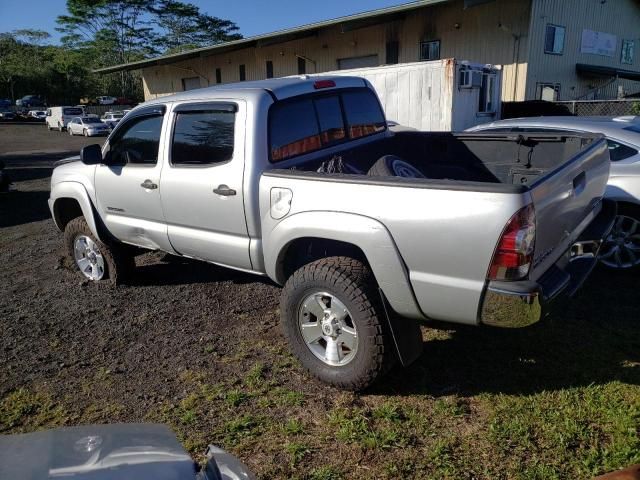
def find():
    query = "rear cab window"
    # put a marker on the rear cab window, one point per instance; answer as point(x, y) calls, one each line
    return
point(307, 124)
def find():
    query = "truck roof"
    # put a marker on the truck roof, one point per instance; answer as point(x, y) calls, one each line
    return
point(281, 88)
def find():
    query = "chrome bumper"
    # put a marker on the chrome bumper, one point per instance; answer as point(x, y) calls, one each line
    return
point(523, 303)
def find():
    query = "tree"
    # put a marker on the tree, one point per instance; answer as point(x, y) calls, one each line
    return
point(183, 27)
point(122, 31)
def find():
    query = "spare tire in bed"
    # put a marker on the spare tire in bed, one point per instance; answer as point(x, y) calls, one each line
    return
point(394, 166)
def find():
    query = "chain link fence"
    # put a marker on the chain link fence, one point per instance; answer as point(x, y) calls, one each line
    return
point(610, 108)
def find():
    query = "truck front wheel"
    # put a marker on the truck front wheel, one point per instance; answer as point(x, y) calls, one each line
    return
point(332, 316)
point(95, 260)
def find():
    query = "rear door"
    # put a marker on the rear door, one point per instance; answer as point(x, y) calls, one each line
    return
point(202, 195)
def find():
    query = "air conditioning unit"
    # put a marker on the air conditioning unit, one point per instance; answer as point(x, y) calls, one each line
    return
point(470, 78)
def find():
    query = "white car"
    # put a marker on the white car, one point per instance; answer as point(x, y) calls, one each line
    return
point(112, 118)
point(88, 126)
point(105, 100)
point(37, 114)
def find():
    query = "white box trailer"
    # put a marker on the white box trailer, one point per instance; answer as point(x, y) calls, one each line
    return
point(438, 95)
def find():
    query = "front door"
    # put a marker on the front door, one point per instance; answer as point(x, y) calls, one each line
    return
point(128, 187)
point(202, 194)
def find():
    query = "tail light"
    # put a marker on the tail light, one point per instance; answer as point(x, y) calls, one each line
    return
point(514, 254)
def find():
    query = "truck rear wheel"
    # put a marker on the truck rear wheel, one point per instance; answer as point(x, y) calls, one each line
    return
point(94, 259)
point(333, 318)
point(621, 249)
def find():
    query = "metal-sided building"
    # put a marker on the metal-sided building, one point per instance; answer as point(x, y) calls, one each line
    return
point(548, 49)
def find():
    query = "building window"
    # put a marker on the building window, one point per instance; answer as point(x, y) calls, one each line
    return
point(393, 50)
point(430, 50)
point(548, 91)
point(554, 39)
point(269, 69)
point(243, 72)
point(487, 96)
point(218, 75)
point(302, 66)
point(190, 83)
point(627, 52)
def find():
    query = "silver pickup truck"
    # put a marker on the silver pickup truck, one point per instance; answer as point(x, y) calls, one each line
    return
point(369, 231)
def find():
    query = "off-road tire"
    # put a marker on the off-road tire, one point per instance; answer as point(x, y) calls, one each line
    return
point(353, 284)
point(386, 166)
point(119, 262)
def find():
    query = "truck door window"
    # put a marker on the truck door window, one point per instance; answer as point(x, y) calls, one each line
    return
point(203, 137)
point(363, 113)
point(137, 142)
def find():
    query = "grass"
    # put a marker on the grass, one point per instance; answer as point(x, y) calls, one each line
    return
point(558, 400)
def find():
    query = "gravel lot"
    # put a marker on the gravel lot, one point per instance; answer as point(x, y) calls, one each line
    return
point(199, 347)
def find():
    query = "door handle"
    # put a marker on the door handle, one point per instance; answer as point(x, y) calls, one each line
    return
point(579, 182)
point(149, 185)
point(224, 190)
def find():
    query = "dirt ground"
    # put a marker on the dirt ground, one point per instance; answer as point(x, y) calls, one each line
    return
point(199, 347)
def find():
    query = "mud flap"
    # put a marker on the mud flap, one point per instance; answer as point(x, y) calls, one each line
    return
point(406, 334)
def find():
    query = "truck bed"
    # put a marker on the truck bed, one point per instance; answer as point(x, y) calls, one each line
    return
point(474, 184)
point(484, 158)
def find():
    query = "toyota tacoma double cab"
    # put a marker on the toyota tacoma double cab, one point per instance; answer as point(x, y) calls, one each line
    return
point(369, 231)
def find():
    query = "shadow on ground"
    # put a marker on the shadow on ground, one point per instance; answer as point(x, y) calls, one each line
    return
point(18, 208)
point(596, 340)
point(173, 270)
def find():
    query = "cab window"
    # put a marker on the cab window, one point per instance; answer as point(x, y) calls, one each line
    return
point(137, 142)
point(203, 135)
point(307, 124)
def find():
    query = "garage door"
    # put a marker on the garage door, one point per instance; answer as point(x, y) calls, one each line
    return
point(358, 62)
point(190, 83)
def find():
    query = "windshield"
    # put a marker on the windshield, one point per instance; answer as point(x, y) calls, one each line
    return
point(91, 120)
point(633, 128)
point(72, 111)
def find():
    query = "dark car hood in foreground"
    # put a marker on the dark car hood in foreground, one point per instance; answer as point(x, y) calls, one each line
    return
point(109, 452)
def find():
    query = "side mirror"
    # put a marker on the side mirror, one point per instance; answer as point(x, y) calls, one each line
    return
point(91, 154)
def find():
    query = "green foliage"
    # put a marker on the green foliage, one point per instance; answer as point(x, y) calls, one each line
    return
point(100, 33)
point(635, 108)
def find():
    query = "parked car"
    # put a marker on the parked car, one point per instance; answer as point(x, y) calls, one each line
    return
point(622, 248)
point(300, 180)
point(59, 117)
point(29, 101)
point(112, 118)
point(6, 115)
point(89, 126)
point(124, 101)
point(105, 100)
point(39, 115)
point(111, 452)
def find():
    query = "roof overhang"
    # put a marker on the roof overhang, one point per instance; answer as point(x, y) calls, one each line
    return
point(584, 68)
point(347, 23)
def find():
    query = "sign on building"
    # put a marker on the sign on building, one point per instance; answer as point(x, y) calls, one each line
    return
point(598, 43)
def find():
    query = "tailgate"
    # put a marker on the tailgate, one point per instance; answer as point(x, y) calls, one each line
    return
point(566, 200)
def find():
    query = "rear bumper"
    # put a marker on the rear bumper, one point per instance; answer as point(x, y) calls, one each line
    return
point(523, 303)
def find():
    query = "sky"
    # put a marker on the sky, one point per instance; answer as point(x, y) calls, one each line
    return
point(252, 16)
